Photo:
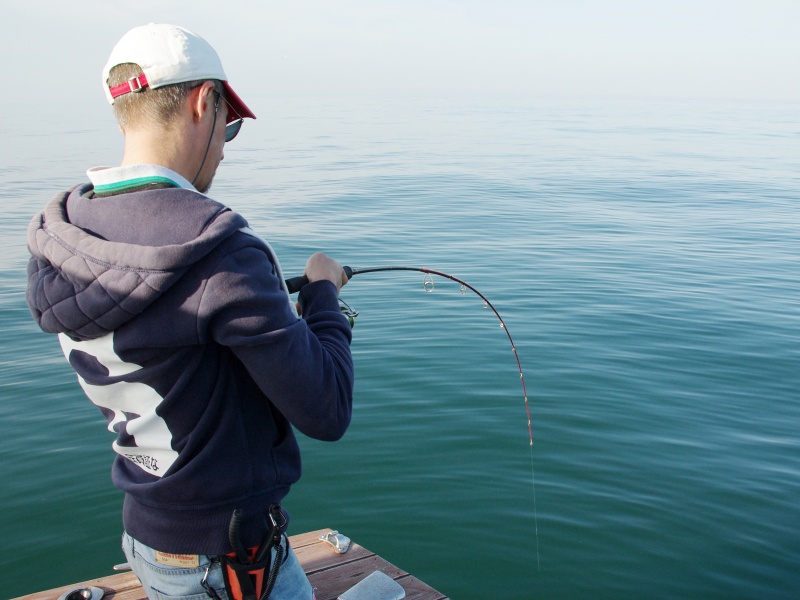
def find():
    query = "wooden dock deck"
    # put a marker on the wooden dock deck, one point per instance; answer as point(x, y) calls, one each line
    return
point(330, 574)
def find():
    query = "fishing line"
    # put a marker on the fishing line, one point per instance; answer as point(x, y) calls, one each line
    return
point(294, 284)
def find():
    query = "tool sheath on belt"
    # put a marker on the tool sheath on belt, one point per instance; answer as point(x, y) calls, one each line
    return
point(244, 568)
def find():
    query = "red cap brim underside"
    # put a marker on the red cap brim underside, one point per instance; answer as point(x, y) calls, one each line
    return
point(237, 108)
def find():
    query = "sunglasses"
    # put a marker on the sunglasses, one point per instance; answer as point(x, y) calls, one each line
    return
point(232, 128)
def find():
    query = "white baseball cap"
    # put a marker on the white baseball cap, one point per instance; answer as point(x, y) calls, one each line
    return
point(169, 54)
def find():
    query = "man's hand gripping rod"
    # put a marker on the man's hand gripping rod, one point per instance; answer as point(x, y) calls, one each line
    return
point(294, 284)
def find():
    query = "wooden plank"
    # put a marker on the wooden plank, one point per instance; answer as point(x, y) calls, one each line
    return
point(308, 538)
point(330, 574)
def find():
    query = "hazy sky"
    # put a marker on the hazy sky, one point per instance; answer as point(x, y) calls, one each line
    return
point(746, 49)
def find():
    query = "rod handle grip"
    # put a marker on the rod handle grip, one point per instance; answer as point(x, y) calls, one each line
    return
point(293, 284)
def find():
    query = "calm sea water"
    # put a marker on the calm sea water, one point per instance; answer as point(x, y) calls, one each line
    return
point(646, 259)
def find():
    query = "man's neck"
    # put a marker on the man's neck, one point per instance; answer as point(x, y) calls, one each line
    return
point(141, 147)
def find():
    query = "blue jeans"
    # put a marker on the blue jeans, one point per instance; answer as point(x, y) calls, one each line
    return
point(162, 582)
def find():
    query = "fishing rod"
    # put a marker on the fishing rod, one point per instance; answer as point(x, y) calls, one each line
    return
point(294, 284)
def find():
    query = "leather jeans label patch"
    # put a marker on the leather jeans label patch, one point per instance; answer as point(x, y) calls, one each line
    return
point(186, 561)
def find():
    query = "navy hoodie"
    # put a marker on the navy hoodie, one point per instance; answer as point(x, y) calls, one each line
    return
point(176, 319)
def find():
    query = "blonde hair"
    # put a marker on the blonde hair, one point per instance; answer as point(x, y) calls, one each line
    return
point(159, 105)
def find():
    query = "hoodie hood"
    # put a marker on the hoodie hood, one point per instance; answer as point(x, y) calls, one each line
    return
point(84, 285)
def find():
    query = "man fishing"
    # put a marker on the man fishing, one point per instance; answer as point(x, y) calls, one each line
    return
point(177, 321)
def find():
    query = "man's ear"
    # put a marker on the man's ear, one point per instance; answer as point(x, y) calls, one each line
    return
point(201, 100)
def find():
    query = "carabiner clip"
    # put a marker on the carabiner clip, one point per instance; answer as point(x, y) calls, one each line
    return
point(348, 312)
point(276, 516)
point(210, 592)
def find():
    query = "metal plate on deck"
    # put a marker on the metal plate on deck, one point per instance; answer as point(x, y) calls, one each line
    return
point(375, 586)
point(82, 593)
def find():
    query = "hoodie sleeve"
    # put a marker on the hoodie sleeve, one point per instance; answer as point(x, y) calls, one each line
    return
point(303, 366)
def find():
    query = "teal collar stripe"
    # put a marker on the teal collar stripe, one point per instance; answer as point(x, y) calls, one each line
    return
point(121, 186)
